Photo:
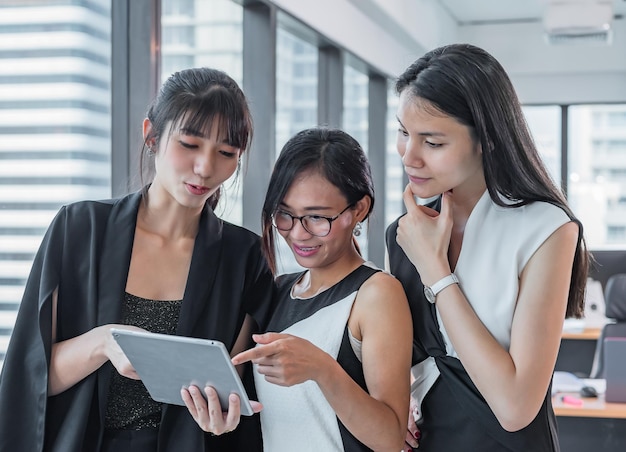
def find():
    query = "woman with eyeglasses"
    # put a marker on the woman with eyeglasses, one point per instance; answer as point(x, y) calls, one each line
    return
point(332, 372)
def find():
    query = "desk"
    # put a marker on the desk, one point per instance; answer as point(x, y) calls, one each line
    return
point(577, 351)
point(594, 426)
point(586, 334)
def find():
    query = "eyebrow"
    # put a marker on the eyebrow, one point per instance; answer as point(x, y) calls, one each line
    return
point(424, 134)
point(197, 133)
point(306, 209)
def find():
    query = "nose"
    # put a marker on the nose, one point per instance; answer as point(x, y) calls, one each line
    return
point(203, 165)
point(298, 232)
point(410, 153)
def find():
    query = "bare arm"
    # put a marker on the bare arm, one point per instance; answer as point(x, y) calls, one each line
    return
point(381, 316)
point(514, 383)
point(74, 359)
point(377, 419)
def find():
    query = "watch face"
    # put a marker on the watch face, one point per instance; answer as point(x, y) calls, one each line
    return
point(430, 296)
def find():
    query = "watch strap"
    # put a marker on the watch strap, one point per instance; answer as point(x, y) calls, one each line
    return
point(443, 283)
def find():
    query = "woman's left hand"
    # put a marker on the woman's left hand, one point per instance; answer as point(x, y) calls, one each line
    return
point(208, 412)
point(284, 359)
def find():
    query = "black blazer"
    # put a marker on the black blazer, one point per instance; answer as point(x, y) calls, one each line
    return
point(86, 254)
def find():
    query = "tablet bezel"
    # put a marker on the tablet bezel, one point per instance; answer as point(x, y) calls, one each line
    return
point(167, 363)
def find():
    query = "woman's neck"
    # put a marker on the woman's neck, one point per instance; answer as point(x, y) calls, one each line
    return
point(319, 279)
point(167, 218)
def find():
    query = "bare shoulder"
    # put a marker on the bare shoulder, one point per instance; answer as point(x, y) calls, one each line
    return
point(565, 238)
point(381, 289)
point(381, 308)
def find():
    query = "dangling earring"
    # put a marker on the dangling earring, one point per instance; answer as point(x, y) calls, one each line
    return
point(357, 230)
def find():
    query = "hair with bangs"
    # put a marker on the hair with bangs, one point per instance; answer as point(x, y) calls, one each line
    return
point(333, 154)
point(192, 100)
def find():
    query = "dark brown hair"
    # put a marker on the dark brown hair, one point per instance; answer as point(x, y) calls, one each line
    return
point(335, 155)
point(467, 83)
point(193, 99)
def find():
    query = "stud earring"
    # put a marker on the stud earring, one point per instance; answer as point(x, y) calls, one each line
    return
point(357, 230)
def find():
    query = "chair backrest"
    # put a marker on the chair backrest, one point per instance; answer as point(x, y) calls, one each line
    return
point(615, 299)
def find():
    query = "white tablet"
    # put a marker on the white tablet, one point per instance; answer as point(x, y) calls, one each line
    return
point(167, 363)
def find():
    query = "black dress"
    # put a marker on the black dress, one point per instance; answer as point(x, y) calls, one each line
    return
point(455, 415)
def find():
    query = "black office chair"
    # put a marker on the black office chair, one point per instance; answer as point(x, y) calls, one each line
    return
point(615, 308)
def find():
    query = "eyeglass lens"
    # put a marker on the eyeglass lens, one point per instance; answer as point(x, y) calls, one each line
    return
point(313, 224)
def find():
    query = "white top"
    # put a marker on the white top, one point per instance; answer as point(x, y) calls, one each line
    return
point(497, 244)
point(299, 417)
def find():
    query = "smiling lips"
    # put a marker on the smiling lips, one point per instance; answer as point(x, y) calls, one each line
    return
point(305, 251)
point(197, 189)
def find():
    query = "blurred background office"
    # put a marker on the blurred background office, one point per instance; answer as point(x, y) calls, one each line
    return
point(76, 77)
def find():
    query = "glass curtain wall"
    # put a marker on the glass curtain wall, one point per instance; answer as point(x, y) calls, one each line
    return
point(597, 172)
point(545, 125)
point(394, 180)
point(296, 106)
point(55, 120)
point(355, 121)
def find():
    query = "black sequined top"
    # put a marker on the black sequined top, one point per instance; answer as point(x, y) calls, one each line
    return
point(129, 405)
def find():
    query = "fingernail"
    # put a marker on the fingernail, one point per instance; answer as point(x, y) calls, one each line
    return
point(417, 434)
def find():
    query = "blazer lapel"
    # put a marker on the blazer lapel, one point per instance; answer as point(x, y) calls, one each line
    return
point(204, 265)
point(114, 263)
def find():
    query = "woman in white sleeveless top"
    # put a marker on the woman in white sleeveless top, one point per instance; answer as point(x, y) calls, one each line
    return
point(491, 268)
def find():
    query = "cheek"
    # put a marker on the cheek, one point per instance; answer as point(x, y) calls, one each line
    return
point(175, 160)
point(341, 227)
point(401, 145)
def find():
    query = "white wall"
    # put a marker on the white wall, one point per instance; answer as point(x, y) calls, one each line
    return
point(390, 34)
point(387, 34)
point(565, 73)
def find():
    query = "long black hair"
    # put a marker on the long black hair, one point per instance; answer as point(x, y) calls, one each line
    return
point(468, 84)
point(193, 99)
point(335, 155)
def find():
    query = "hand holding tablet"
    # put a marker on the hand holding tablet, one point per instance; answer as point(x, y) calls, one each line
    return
point(167, 364)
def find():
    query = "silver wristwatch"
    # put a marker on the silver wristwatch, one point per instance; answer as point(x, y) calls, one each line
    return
point(432, 291)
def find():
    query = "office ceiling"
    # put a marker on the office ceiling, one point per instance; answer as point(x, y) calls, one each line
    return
point(468, 12)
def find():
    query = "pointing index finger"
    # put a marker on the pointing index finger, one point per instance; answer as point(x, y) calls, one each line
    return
point(257, 352)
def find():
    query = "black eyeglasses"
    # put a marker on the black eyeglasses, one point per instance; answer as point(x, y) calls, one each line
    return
point(317, 225)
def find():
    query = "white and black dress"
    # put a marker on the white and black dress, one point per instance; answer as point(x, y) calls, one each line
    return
point(299, 417)
point(497, 244)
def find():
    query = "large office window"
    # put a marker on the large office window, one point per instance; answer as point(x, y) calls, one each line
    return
point(54, 126)
point(394, 180)
point(296, 86)
point(355, 120)
point(208, 33)
point(296, 106)
point(545, 125)
point(597, 172)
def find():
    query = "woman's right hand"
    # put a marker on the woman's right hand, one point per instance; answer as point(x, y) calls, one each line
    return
point(424, 236)
point(115, 354)
point(74, 359)
point(413, 433)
